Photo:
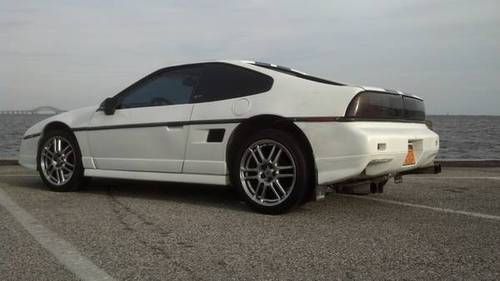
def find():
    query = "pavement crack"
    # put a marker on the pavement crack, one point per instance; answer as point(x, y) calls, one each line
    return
point(140, 226)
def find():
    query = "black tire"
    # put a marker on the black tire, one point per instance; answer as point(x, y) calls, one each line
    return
point(302, 182)
point(77, 179)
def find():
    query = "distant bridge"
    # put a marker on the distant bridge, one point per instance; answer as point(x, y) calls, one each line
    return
point(38, 110)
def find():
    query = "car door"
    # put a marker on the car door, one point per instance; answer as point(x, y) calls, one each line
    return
point(222, 99)
point(147, 132)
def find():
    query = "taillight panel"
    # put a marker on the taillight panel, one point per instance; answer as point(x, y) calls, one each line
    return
point(371, 105)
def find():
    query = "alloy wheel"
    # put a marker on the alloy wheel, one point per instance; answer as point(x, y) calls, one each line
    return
point(267, 172)
point(57, 160)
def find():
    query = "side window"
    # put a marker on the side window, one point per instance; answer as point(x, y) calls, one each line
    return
point(166, 88)
point(224, 81)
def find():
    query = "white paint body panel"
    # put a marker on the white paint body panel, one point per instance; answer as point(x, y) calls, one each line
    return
point(27, 152)
point(150, 149)
point(204, 157)
point(152, 176)
point(342, 150)
point(75, 118)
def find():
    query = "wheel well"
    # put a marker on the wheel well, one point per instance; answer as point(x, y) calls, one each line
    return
point(250, 126)
point(56, 126)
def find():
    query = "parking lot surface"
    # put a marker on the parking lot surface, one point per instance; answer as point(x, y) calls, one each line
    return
point(429, 227)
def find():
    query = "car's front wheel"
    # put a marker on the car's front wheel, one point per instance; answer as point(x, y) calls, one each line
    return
point(60, 163)
point(270, 171)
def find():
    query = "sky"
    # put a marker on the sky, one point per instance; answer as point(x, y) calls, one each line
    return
point(70, 54)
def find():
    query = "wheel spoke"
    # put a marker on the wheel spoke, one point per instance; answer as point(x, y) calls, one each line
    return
point(284, 167)
point(58, 177)
point(269, 158)
point(249, 169)
point(66, 169)
point(51, 169)
point(259, 150)
point(285, 176)
point(45, 159)
point(62, 174)
point(254, 156)
point(277, 157)
point(263, 192)
point(260, 185)
point(68, 156)
point(54, 145)
point(274, 191)
point(54, 179)
point(280, 187)
point(59, 145)
point(47, 151)
point(66, 148)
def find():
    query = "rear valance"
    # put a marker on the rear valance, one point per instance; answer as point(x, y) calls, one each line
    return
point(373, 105)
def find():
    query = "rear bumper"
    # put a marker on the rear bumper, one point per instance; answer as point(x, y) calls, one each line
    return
point(356, 150)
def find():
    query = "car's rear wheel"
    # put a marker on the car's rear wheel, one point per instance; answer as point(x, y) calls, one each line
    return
point(60, 161)
point(270, 171)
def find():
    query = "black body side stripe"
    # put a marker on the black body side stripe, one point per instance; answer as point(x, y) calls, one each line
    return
point(201, 122)
point(31, 136)
point(160, 124)
point(228, 121)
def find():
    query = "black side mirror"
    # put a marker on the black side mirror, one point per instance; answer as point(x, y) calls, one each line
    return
point(109, 106)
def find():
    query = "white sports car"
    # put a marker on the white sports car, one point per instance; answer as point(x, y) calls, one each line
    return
point(278, 135)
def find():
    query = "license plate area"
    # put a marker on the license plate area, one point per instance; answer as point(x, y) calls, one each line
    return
point(410, 158)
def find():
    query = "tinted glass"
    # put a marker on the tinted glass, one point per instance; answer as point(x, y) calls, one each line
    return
point(290, 71)
point(414, 109)
point(167, 88)
point(224, 81)
point(373, 105)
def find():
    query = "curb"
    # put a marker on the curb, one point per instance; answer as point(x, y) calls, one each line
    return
point(469, 163)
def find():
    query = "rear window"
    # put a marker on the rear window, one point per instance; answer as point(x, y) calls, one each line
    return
point(386, 106)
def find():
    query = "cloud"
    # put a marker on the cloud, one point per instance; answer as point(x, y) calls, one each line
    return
point(76, 53)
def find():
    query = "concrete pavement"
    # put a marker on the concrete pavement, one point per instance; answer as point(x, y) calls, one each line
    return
point(158, 231)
